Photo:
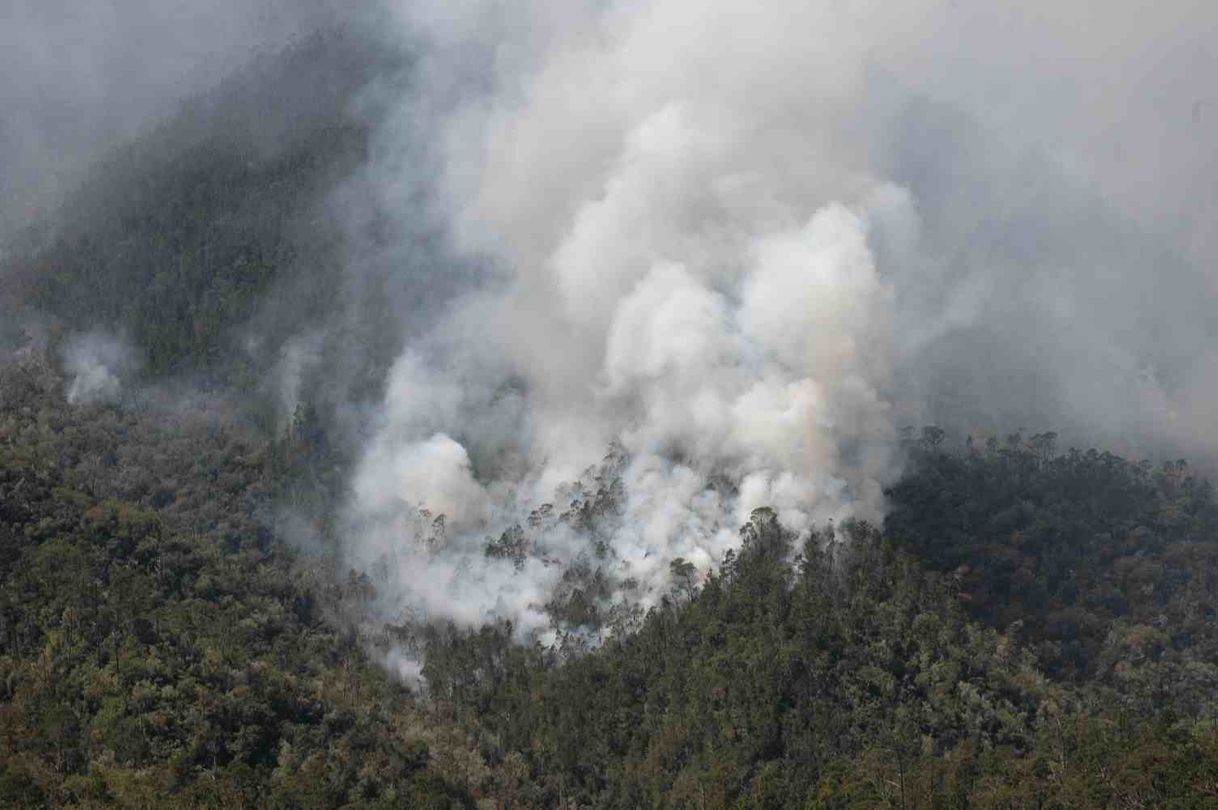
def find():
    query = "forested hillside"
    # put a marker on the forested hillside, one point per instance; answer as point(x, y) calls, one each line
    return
point(1028, 629)
point(184, 622)
point(1106, 568)
point(159, 647)
point(859, 670)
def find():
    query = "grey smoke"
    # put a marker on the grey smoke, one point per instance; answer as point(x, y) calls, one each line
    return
point(748, 244)
point(96, 365)
point(297, 358)
point(76, 79)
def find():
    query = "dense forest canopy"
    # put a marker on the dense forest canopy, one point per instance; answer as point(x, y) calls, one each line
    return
point(160, 645)
point(160, 641)
point(864, 670)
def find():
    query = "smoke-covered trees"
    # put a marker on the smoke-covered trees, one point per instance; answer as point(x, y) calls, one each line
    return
point(757, 689)
point(850, 673)
point(1035, 629)
point(683, 575)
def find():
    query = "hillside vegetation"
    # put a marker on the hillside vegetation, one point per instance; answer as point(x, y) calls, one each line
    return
point(864, 670)
point(159, 647)
point(1028, 628)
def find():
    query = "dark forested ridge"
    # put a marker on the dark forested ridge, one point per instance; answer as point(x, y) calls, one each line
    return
point(1090, 559)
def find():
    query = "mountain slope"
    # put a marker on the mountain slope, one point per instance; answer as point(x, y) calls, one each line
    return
point(174, 238)
point(854, 675)
point(158, 645)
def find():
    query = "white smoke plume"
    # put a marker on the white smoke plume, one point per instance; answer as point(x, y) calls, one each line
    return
point(727, 253)
point(688, 279)
point(96, 364)
point(296, 358)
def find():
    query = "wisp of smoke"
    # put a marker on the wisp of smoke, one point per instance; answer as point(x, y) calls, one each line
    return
point(95, 364)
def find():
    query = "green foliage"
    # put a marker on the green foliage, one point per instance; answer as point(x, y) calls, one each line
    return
point(1107, 568)
point(851, 674)
point(749, 694)
point(156, 647)
point(1029, 630)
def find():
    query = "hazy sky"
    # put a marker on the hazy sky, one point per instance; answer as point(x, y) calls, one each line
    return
point(77, 77)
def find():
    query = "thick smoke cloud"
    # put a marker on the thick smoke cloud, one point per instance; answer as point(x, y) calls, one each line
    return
point(687, 273)
point(1062, 165)
point(742, 247)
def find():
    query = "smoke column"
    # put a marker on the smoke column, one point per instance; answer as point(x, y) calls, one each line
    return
point(730, 251)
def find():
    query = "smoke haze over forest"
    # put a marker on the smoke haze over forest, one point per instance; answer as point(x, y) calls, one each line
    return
point(751, 245)
point(687, 259)
point(608, 404)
